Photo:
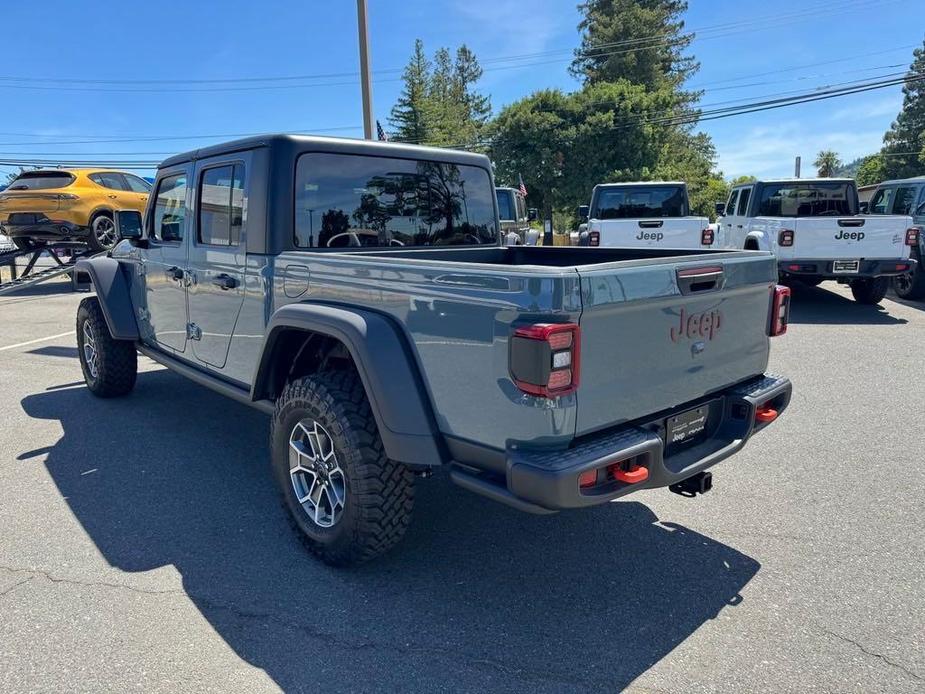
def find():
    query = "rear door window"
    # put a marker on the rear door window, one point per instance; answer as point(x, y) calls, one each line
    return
point(354, 201)
point(744, 195)
point(113, 181)
point(221, 205)
point(904, 200)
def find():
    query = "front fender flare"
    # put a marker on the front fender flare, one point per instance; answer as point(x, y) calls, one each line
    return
point(387, 369)
point(112, 289)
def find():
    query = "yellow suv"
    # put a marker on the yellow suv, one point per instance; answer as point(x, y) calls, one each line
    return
point(48, 205)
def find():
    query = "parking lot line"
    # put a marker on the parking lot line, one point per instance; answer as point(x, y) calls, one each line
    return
point(40, 339)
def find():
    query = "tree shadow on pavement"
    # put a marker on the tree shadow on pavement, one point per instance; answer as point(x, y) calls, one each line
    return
point(477, 595)
point(817, 305)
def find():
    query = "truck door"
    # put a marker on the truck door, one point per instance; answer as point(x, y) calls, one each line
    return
point(216, 257)
point(164, 262)
point(727, 225)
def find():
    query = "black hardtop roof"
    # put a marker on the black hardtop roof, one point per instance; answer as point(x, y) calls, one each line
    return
point(301, 143)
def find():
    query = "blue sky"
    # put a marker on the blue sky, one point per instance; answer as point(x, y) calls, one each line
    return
point(798, 45)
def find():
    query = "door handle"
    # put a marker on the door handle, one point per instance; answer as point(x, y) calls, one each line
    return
point(176, 273)
point(739, 225)
point(111, 196)
point(224, 282)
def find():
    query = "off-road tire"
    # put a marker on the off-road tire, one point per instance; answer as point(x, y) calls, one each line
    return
point(379, 493)
point(912, 285)
point(116, 362)
point(870, 291)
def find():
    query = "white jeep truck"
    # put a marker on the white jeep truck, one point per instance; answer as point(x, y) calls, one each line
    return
point(652, 214)
point(813, 227)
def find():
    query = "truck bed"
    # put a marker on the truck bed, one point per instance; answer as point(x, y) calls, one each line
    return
point(652, 339)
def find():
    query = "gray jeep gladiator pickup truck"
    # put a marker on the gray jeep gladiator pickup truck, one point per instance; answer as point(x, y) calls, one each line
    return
point(359, 293)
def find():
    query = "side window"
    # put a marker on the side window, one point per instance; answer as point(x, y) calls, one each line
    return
point(731, 205)
point(137, 185)
point(903, 200)
point(744, 195)
point(920, 205)
point(221, 205)
point(881, 201)
point(169, 209)
point(521, 208)
point(113, 181)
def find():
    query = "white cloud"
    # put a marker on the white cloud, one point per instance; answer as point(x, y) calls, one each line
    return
point(766, 151)
point(889, 106)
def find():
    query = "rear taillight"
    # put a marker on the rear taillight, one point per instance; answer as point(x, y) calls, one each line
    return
point(544, 358)
point(706, 237)
point(912, 237)
point(780, 310)
point(785, 237)
point(594, 238)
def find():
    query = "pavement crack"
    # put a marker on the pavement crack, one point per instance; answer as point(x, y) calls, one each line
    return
point(861, 647)
point(16, 585)
point(48, 576)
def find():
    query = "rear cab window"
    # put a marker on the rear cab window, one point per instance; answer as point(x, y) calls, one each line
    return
point(362, 201)
point(810, 199)
point(41, 180)
point(904, 200)
point(639, 202)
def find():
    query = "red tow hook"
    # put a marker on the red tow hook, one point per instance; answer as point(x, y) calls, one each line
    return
point(765, 415)
point(634, 475)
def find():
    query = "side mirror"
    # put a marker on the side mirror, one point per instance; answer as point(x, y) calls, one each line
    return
point(128, 224)
point(583, 211)
point(532, 214)
point(720, 208)
point(863, 207)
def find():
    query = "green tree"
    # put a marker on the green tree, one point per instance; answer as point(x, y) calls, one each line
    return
point(905, 139)
point(641, 41)
point(827, 163)
point(411, 115)
point(870, 170)
point(439, 104)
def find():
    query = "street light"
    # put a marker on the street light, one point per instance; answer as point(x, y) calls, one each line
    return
point(365, 73)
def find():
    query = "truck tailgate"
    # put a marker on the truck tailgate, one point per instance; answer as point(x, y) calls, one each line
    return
point(874, 236)
point(657, 335)
point(669, 232)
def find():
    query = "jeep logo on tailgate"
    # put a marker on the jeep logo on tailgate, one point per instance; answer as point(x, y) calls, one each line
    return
point(650, 236)
point(850, 235)
point(697, 325)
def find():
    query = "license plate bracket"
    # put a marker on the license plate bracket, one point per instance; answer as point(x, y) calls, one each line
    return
point(846, 266)
point(687, 426)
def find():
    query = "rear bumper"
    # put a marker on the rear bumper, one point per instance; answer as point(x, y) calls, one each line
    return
point(866, 268)
point(542, 481)
point(38, 226)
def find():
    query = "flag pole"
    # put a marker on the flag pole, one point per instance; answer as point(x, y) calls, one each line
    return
point(365, 72)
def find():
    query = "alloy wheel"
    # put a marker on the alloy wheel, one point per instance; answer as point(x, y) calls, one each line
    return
point(105, 231)
point(317, 479)
point(89, 348)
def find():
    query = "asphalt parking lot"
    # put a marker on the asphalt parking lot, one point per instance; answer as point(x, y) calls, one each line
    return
point(142, 546)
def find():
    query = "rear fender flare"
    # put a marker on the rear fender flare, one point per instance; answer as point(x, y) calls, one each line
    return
point(112, 290)
point(760, 238)
point(387, 369)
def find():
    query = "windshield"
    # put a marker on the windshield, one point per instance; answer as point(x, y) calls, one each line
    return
point(628, 202)
point(813, 199)
point(348, 200)
point(41, 180)
point(504, 205)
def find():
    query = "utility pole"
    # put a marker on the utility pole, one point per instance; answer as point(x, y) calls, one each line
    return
point(796, 167)
point(365, 73)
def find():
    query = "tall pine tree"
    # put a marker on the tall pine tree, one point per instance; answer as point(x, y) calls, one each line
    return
point(411, 114)
point(904, 142)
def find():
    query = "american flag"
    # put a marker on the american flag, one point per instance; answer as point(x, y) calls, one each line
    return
point(381, 133)
point(523, 188)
